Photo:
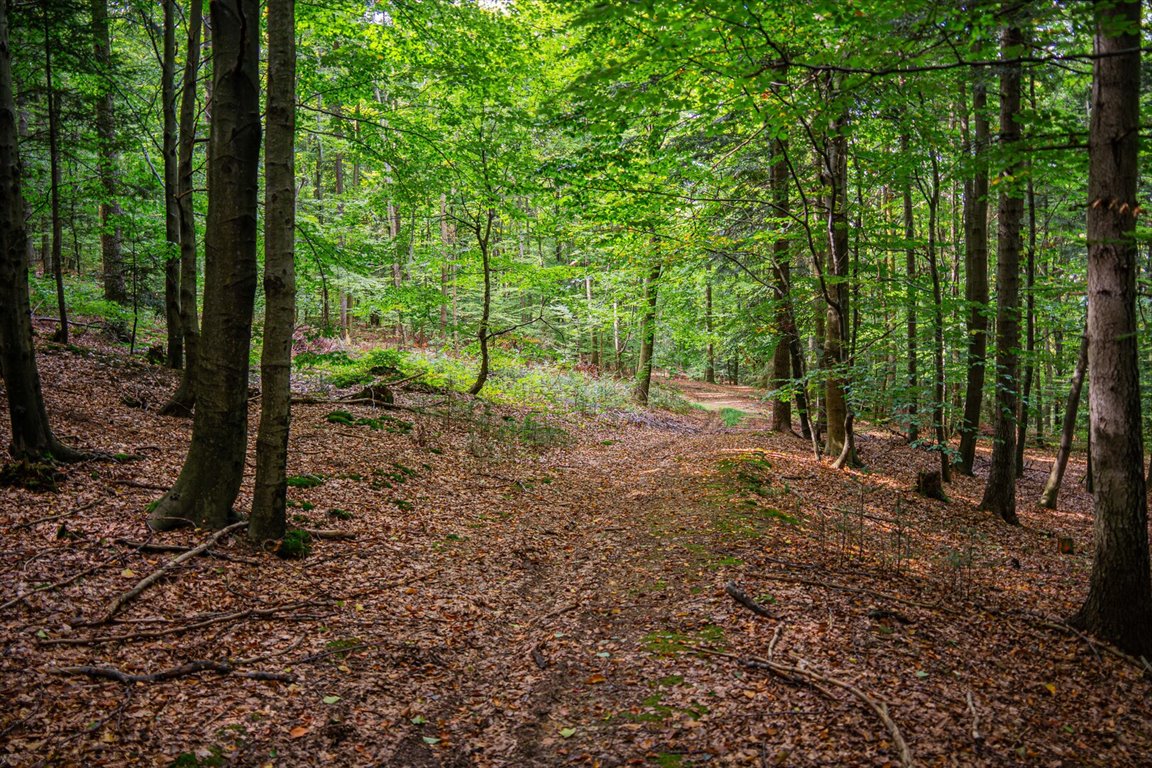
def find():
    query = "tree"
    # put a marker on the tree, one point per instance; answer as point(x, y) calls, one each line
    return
point(175, 345)
point(1068, 432)
point(269, 496)
point(1119, 603)
point(32, 437)
point(112, 258)
point(185, 396)
point(1000, 490)
point(214, 467)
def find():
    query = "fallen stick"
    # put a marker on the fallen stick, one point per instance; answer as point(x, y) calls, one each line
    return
point(860, 590)
point(145, 486)
point(58, 584)
point(145, 546)
point(740, 597)
point(50, 518)
point(156, 575)
point(800, 671)
point(151, 634)
point(977, 737)
point(191, 668)
point(330, 535)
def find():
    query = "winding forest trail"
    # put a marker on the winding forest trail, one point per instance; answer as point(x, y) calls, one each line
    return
point(525, 596)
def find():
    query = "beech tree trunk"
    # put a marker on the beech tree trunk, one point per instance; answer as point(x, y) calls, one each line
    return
point(184, 398)
point(175, 345)
point(710, 348)
point(107, 160)
point(1029, 329)
point(785, 326)
point(1000, 491)
point(214, 468)
point(32, 437)
point(61, 334)
point(270, 492)
point(1068, 433)
point(647, 335)
point(910, 292)
point(483, 330)
point(836, 340)
point(975, 276)
point(1119, 603)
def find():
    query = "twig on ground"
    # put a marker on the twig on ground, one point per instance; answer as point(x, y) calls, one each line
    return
point(145, 546)
point(860, 590)
point(191, 668)
point(61, 583)
point(977, 737)
point(140, 484)
point(802, 671)
point(236, 616)
point(59, 516)
point(740, 597)
point(156, 575)
point(331, 535)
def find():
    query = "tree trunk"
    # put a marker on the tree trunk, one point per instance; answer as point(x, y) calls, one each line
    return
point(836, 341)
point(1000, 491)
point(1030, 329)
point(107, 160)
point(270, 492)
point(933, 196)
point(1119, 603)
point(175, 345)
point(975, 276)
point(61, 334)
point(184, 398)
point(785, 325)
point(910, 291)
point(710, 347)
point(483, 334)
point(214, 468)
point(1068, 433)
point(647, 335)
point(32, 437)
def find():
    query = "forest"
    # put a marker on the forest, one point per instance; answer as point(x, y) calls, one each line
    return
point(575, 382)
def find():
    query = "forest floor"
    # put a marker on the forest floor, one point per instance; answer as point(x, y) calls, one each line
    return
point(547, 592)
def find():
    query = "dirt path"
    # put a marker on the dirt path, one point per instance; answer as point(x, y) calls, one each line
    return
point(541, 603)
point(715, 397)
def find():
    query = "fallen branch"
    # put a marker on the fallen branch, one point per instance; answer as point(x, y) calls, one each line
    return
point(191, 668)
point(59, 516)
point(58, 584)
point(740, 597)
point(145, 546)
point(801, 671)
point(156, 575)
point(145, 486)
point(330, 535)
point(860, 590)
point(236, 616)
point(977, 737)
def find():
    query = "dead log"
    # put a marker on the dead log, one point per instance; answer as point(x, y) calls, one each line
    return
point(930, 485)
point(191, 668)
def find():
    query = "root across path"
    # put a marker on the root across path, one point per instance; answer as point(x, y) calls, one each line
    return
point(630, 591)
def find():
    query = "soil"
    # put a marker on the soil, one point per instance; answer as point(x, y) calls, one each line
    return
point(541, 593)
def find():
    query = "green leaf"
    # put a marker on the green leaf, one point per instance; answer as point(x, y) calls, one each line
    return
point(567, 732)
point(331, 699)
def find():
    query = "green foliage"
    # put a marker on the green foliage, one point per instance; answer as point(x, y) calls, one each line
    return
point(304, 481)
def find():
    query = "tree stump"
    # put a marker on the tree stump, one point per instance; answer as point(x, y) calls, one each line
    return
point(931, 485)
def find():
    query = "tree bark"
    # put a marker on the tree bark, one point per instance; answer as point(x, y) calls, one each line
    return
point(975, 276)
point(1029, 328)
point(1119, 603)
point(647, 335)
point(483, 331)
point(270, 492)
point(61, 334)
point(1068, 433)
point(710, 347)
point(782, 288)
point(184, 399)
point(910, 292)
point(107, 160)
point(32, 437)
point(214, 468)
point(836, 340)
point(1000, 490)
point(175, 339)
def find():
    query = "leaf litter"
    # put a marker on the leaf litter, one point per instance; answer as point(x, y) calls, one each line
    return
point(481, 601)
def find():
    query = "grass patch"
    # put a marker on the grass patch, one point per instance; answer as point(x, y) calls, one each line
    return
point(732, 417)
point(305, 481)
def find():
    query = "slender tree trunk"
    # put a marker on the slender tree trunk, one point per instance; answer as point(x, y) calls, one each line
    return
point(1119, 603)
point(933, 197)
point(32, 437)
point(910, 292)
point(446, 243)
point(782, 290)
point(483, 333)
point(184, 399)
point(710, 347)
point(213, 470)
point(175, 345)
point(1030, 329)
point(836, 342)
point(107, 160)
point(976, 276)
point(1068, 432)
point(647, 335)
point(61, 334)
point(1000, 491)
point(270, 491)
